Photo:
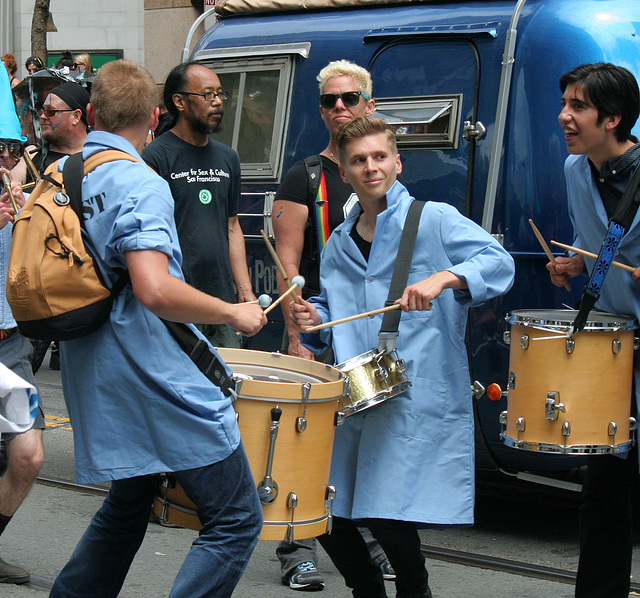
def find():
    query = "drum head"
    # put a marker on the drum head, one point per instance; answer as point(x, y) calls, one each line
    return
point(562, 319)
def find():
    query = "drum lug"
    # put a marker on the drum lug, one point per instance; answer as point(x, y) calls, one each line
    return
point(330, 496)
point(612, 431)
point(521, 424)
point(292, 503)
point(267, 488)
point(477, 390)
point(553, 405)
point(339, 418)
point(512, 380)
point(571, 345)
point(636, 343)
point(301, 422)
point(616, 346)
point(566, 428)
point(524, 341)
point(632, 424)
point(506, 337)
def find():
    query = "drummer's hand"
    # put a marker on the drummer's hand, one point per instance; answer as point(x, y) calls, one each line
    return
point(7, 212)
point(297, 349)
point(636, 274)
point(565, 268)
point(419, 296)
point(303, 315)
point(248, 318)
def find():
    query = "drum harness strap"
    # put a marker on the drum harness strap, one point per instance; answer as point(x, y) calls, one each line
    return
point(618, 225)
point(391, 320)
point(206, 361)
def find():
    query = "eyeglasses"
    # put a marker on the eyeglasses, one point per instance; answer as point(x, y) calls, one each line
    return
point(349, 99)
point(15, 148)
point(208, 96)
point(77, 64)
point(50, 112)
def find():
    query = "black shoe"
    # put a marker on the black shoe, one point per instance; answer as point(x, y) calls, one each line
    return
point(305, 577)
point(12, 574)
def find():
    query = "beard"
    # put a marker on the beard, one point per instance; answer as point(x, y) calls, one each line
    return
point(200, 125)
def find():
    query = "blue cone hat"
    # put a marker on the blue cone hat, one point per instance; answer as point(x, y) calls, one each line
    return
point(9, 122)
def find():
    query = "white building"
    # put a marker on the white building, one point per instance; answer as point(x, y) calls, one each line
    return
point(149, 32)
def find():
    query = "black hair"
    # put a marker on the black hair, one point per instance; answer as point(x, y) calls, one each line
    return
point(612, 89)
point(65, 60)
point(35, 60)
point(176, 82)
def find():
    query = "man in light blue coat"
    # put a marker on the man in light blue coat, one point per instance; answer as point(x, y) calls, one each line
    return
point(408, 462)
point(138, 404)
point(600, 105)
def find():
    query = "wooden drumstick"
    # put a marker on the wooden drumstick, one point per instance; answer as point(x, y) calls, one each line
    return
point(545, 247)
point(278, 263)
point(593, 256)
point(352, 318)
point(7, 183)
point(291, 289)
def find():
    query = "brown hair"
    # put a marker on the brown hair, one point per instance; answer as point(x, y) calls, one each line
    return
point(10, 62)
point(361, 127)
point(123, 94)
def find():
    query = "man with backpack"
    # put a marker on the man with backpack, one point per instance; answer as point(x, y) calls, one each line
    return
point(138, 404)
point(25, 453)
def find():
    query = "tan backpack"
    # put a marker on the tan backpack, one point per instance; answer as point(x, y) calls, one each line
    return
point(53, 287)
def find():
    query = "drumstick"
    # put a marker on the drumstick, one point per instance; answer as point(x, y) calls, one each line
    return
point(278, 263)
point(593, 255)
point(545, 247)
point(7, 183)
point(291, 289)
point(351, 318)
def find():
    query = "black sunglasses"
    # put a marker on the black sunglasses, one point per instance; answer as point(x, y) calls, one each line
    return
point(349, 99)
point(16, 149)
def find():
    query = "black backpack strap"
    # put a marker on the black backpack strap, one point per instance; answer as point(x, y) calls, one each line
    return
point(198, 350)
point(391, 319)
point(72, 175)
point(313, 165)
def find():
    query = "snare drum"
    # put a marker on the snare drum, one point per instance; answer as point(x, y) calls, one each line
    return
point(373, 377)
point(569, 395)
point(286, 409)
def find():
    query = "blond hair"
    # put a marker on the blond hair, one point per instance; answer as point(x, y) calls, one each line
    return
point(362, 127)
point(342, 68)
point(86, 60)
point(123, 94)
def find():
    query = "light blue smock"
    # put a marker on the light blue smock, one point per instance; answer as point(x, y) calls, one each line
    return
point(620, 294)
point(410, 458)
point(138, 404)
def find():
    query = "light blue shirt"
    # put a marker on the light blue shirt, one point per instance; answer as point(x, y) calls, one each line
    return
point(6, 317)
point(410, 458)
point(138, 404)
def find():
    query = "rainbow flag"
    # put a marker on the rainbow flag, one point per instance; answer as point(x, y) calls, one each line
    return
point(322, 214)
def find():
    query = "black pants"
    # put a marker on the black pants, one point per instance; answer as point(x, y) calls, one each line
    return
point(401, 543)
point(606, 527)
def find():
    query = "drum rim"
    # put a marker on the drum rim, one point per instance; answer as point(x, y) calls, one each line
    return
point(363, 359)
point(543, 318)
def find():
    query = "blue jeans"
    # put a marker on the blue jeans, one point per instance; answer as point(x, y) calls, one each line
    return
point(229, 510)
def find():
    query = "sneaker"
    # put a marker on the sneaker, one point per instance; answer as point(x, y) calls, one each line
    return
point(305, 577)
point(12, 574)
point(387, 571)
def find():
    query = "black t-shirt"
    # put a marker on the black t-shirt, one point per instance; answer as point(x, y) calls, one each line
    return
point(295, 188)
point(205, 184)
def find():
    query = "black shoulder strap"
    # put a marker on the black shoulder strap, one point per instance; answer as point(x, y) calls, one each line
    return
point(313, 165)
point(391, 319)
point(72, 175)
